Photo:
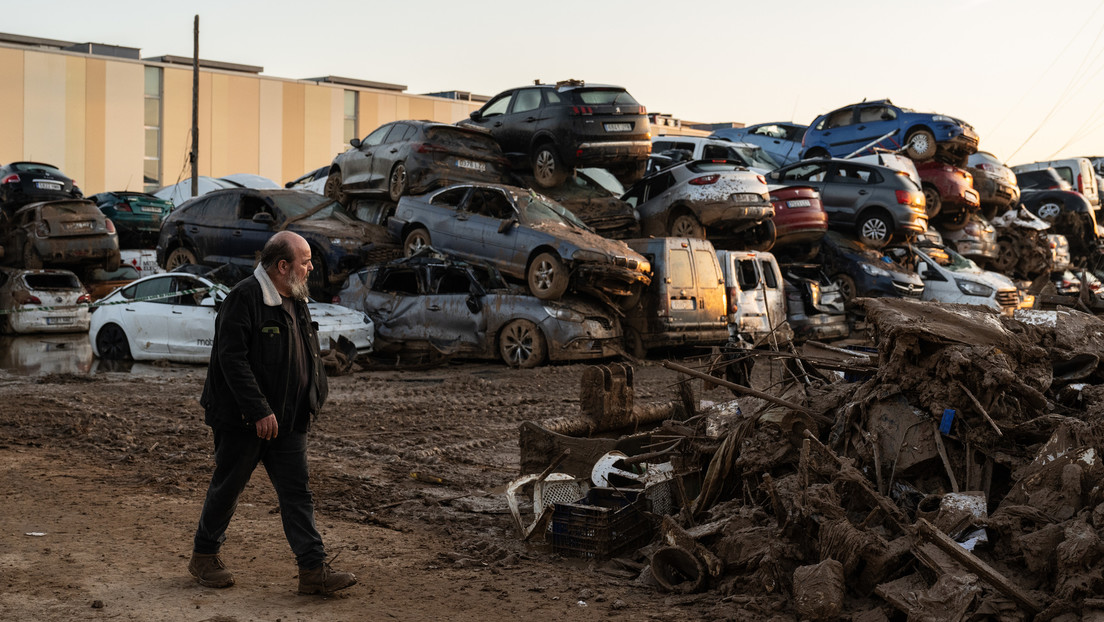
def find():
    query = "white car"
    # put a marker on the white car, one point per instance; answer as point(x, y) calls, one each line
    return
point(171, 316)
point(711, 148)
point(42, 301)
point(950, 277)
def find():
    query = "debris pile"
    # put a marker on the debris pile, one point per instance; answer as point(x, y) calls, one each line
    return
point(960, 480)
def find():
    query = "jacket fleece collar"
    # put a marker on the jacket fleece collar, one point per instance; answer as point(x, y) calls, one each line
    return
point(269, 293)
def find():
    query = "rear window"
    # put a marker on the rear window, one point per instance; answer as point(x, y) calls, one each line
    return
point(52, 281)
point(55, 209)
point(679, 271)
point(457, 139)
point(746, 274)
point(597, 97)
point(705, 264)
point(32, 167)
point(712, 167)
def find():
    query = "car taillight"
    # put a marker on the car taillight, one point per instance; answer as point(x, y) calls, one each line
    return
point(643, 110)
point(110, 225)
point(762, 180)
point(704, 180)
point(1080, 184)
point(580, 110)
point(10, 179)
point(733, 297)
point(84, 299)
point(430, 148)
point(904, 197)
point(24, 298)
point(123, 207)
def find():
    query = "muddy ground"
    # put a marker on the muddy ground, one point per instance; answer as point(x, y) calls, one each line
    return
point(104, 475)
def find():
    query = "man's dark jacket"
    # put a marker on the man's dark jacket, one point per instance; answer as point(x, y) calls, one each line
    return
point(250, 375)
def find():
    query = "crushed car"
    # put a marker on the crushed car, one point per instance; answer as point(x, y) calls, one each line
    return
point(815, 309)
point(594, 195)
point(781, 140)
point(430, 306)
point(861, 271)
point(524, 235)
point(42, 301)
point(69, 233)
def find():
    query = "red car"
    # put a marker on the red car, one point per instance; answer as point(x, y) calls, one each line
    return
point(949, 191)
point(799, 216)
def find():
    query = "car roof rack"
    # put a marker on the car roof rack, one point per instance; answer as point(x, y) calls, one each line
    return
point(570, 82)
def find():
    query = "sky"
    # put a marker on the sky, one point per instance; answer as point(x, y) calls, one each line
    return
point(1026, 74)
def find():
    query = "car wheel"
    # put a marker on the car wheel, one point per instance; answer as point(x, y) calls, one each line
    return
point(636, 292)
point(955, 221)
point(875, 230)
point(396, 184)
point(112, 343)
point(1049, 211)
point(933, 201)
point(847, 288)
point(547, 277)
point(548, 169)
point(415, 241)
point(520, 344)
point(335, 187)
point(31, 259)
point(686, 226)
point(1006, 256)
point(921, 145)
point(816, 152)
point(178, 257)
point(762, 236)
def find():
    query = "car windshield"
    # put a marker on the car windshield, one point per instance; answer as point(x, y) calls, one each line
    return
point(305, 206)
point(537, 210)
point(755, 156)
point(35, 167)
point(954, 262)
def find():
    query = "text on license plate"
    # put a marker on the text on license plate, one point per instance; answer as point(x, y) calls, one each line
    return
point(151, 209)
point(59, 320)
point(618, 127)
point(472, 166)
point(799, 203)
point(85, 225)
point(47, 185)
point(681, 304)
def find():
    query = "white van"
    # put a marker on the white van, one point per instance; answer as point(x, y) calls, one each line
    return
point(1078, 173)
point(756, 298)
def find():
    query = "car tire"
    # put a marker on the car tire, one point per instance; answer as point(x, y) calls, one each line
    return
point(933, 201)
point(685, 225)
point(547, 277)
point(415, 241)
point(815, 152)
point(636, 292)
point(1006, 258)
point(955, 221)
point(521, 344)
point(847, 288)
point(396, 183)
point(179, 256)
point(761, 237)
point(112, 344)
point(548, 168)
point(875, 230)
point(31, 259)
point(920, 145)
point(1049, 210)
point(334, 187)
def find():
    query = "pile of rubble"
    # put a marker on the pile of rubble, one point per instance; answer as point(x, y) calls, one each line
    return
point(953, 475)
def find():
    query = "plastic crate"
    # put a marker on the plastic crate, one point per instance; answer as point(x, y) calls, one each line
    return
point(603, 524)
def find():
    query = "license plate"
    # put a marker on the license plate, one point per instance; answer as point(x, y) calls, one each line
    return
point(799, 203)
point(618, 127)
point(682, 305)
point(152, 210)
point(472, 166)
point(86, 225)
point(53, 321)
point(47, 185)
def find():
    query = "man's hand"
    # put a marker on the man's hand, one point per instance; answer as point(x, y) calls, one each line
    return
point(267, 428)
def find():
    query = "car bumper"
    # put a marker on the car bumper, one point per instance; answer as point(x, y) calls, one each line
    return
point(726, 215)
point(958, 140)
point(51, 321)
point(977, 248)
point(993, 192)
point(76, 250)
point(598, 151)
point(799, 227)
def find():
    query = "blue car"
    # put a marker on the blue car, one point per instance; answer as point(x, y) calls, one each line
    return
point(860, 128)
point(859, 270)
point(781, 140)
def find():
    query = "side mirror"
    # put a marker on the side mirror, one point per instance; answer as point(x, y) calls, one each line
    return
point(506, 224)
point(355, 142)
point(475, 115)
point(475, 305)
point(263, 218)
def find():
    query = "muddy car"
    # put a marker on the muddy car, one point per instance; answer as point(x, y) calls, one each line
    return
point(1069, 213)
point(977, 240)
point(414, 157)
point(137, 216)
point(948, 192)
point(42, 301)
point(859, 270)
point(594, 195)
point(71, 234)
point(995, 183)
point(171, 316)
point(799, 216)
point(524, 235)
point(232, 225)
point(815, 308)
point(720, 197)
point(431, 306)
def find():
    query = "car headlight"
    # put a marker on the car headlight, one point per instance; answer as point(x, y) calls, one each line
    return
point(943, 118)
point(567, 315)
point(590, 256)
point(973, 288)
point(874, 270)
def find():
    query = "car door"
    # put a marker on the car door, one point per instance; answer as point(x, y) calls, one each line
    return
point(872, 122)
point(191, 328)
point(387, 153)
point(450, 323)
point(208, 224)
point(146, 315)
point(477, 228)
point(491, 118)
point(846, 189)
point(448, 222)
point(521, 122)
point(838, 128)
point(246, 237)
point(356, 164)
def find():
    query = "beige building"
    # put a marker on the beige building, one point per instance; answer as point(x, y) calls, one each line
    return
point(114, 121)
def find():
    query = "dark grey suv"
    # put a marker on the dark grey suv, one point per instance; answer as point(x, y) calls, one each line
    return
point(553, 128)
point(880, 203)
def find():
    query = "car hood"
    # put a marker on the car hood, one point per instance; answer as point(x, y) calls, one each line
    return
point(345, 229)
point(587, 240)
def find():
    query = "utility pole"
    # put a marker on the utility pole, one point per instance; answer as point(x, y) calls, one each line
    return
point(194, 155)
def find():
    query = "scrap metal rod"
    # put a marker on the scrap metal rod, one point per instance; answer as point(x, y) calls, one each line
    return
point(739, 388)
point(981, 409)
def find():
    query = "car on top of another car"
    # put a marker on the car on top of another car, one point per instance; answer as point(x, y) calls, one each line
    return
point(551, 129)
point(29, 182)
point(711, 148)
point(995, 183)
point(863, 127)
point(137, 216)
point(782, 140)
point(70, 233)
point(1077, 172)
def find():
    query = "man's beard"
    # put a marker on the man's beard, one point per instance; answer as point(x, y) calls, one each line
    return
point(298, 287)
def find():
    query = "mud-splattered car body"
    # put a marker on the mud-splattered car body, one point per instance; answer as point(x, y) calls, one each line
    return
point(437, 306)
point(232, 226)
point(688, 199)
point(799, 216)
point(42, 301)
point(995, 183)
point(594, 195)
point(518, 231)
point(71, 234)
point(977, 240)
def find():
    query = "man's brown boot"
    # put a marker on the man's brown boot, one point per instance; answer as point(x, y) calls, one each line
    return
point(209, 570)
point(324, 580)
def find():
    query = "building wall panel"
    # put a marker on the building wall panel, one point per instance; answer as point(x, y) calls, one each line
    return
point(318, 122)
point(95, 115)
point(76, 90)
point(294, 136)
point(11, 104)
point(176, 123)
point(243, 130)
point(44, 107)
point(124, 132)
point(270, 136)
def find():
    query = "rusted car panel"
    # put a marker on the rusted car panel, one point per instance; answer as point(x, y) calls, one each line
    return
point(60, 233)
point(42, 301)
point(432, 303)
point(512, 228)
